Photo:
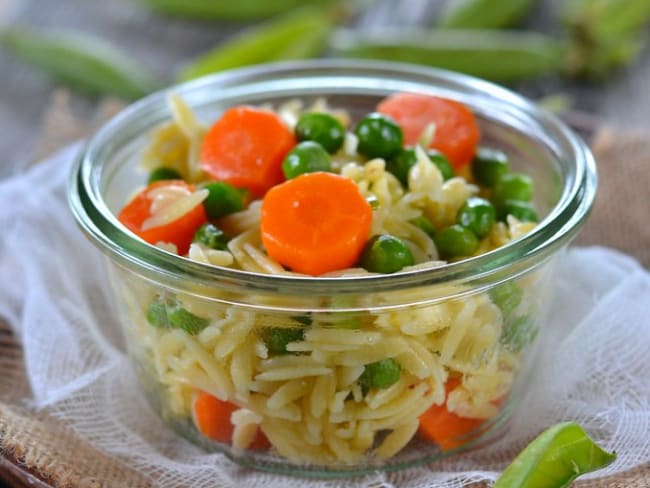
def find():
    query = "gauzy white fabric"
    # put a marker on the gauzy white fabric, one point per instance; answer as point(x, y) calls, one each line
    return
point(593, 367)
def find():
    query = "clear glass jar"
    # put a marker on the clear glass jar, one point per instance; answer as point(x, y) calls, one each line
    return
point(463, 336)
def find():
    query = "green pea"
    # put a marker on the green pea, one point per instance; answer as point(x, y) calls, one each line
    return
point(211, 236)
point(489, 165)
point(163, 173)
point(373, 201)
point(223, 199)
point(182, 319)
point(379, 137)
point(513, 186)
point(507, 297)
point(306, 157)
point(344, 320)
point(477, 215)
point(424, 224)
point(380, 374)
point(349, 322)
point(401, 164)
point(442, 163)
point(385, 253)
point(321, 128)
point(302, 319)
point(520, 333)
point(455, 241)
point(277, 338)
point(157, 314)
point(522, 211)
point(406, 159)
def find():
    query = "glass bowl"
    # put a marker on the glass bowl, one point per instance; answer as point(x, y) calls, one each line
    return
point(464, 335)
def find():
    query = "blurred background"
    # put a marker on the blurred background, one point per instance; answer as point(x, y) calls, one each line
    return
point(583, 58)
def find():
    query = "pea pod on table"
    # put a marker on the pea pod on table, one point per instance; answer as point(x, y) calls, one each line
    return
point(483, 14)
point(604, 35)
point(240, 10)
point(299, 34)
point(83, 62)
point(554, 459)
point(495, 55)
point(602, 19)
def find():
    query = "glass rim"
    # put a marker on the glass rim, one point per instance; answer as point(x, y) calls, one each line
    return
point(555, 230)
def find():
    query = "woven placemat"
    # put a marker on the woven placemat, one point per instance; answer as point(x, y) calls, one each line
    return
point(37, 450)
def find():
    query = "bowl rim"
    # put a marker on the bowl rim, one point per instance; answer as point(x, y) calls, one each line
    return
point(517, 257)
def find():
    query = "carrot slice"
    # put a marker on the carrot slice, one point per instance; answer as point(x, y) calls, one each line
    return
point(456, 131)
point(178, 232)
point(246, 147)
point(260, 442)
point(315, 223)
point(212, 417)
point(445, 428)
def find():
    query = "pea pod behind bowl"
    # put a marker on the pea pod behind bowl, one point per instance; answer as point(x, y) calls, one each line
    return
point(494, 55)
point(86, 63)
point(241, 10)
point(483, 14)
point(298, 34)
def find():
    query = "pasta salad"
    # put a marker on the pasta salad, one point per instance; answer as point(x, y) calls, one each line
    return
point(304, 190)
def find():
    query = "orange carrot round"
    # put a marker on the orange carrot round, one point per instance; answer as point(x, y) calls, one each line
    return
point(445, 428)
point(456, 131)
point(315, 223)
point(246, 147)
point(178, 232)
point(212, 417)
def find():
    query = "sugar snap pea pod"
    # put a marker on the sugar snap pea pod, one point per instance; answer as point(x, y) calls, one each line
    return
point(483, 14)
point(495, 55)
point(237, 10)
point(83, 62)
point(605, 35)
point(300, 33)
point(602, 19)
point(310, 45)
point(598, 60)
point(554, 459)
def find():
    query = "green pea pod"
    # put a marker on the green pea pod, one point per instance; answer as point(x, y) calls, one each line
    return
point(483, 14)
point(607, 19)
point(495, 55)
point(237, 10)
point(597, 61)
point(311, 45)
point(298, 34)
point(83, 62)
point(554, 459)
point(605, 35)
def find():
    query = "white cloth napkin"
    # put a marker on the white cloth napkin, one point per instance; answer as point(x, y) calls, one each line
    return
point(594, 367)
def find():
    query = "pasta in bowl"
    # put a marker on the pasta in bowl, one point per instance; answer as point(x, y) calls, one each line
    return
point(325, 269)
